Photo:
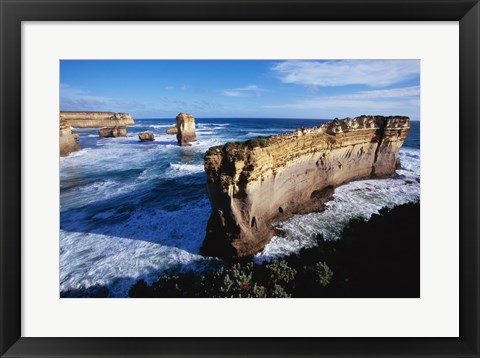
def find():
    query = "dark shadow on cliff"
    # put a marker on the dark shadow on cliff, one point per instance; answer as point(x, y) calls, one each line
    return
point(145, 214)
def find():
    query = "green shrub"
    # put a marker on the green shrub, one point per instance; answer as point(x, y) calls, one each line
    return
point(280, 272)
point(279, 292)
point(320, 273)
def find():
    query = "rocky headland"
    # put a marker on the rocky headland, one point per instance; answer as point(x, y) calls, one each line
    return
point(254, 183)
point(146, 137)
point(68, 139)
point(185, 129)
point(97, 119)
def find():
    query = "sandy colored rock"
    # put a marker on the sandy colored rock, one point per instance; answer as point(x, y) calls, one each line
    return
point(254, 183)
point(146, 136)
point(172, 130)
point(97, 119)
point(186, 129)
point(113, 132)
point(68, 139)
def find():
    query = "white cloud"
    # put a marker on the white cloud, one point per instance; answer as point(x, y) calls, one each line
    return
point(188, 106)
point(230, 93)
point(375, 73)
point(363, 99)
point(245, 91)
point(75, 99)
point(402, 92)
point(396, 101)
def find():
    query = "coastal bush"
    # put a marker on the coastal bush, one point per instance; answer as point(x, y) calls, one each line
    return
point(234, 282)
point(320, 273)
point(140, 289)
point(96, 291)
point(280, 273)
point(279, 292)
point(261, 142)
point(259, 291)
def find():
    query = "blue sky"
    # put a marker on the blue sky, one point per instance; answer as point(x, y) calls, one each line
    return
point(227, 88)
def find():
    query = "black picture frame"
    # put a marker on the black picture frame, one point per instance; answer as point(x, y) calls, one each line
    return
point(13, 12)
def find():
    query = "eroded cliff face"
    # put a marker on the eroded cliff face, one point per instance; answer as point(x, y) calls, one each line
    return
point(97, 119)
point(185, 129)
point(254, 183)
point(68, 139)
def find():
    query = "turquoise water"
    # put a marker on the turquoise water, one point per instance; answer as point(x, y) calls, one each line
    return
point(131, 210)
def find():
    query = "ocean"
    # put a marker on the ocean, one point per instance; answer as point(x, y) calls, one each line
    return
point(131, 210)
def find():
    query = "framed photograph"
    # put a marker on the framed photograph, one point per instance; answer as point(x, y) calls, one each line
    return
point(239, 178)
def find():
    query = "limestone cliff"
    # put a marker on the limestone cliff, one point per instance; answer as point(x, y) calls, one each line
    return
point(185, 129)
point(254, 183)
point(97, 119)
point(68, 139)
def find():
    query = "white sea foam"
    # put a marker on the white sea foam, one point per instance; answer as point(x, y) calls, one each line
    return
point(88, 260)
point(161, 126)
point(209, 125)
point(185, 169)
point(255, 134)
point(142, 245)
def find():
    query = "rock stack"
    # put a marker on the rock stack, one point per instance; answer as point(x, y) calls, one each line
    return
point(146, 136)
point(113, 132)
point(186, 129)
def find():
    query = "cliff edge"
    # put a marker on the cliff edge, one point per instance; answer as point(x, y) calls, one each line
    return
point(97, 119)
point(254, 183)
point(68, 139)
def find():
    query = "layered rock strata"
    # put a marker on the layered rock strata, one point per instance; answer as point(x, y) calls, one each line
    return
point(68, 139)
point(185, 129)
point(146, 136)
point(254, 183)
point(97, 119)
point(113, 132)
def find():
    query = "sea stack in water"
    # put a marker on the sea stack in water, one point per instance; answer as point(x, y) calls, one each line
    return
point(97, 119)
point(68, 139)
point(113, 132)
point(186, 129)
point(146, 136)
point(254, 183)
point(172, 130)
